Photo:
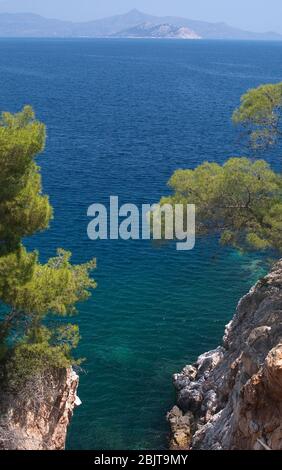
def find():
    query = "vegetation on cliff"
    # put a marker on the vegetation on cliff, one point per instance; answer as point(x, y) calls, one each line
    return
point(230, 398)
point(32, 294)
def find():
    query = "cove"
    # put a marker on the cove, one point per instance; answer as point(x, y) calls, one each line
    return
point(122, 116)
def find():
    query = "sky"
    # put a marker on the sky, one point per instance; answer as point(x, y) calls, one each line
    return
point(253, 15)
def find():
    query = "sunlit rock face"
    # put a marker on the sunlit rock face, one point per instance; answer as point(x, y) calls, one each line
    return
point(231, 398)
point(38, 417)
point(158, 31)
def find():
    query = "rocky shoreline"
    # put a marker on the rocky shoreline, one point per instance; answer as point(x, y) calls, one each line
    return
point(231, 397)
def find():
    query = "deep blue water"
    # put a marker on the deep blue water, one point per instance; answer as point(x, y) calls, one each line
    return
point(122, 116)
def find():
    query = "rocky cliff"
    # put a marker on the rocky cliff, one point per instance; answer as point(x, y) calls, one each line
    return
point(231, 398)
point(37, 418)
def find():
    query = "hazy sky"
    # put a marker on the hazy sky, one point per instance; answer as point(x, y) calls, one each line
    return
point(255, 15)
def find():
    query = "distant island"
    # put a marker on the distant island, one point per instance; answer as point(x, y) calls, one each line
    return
point(133, 24)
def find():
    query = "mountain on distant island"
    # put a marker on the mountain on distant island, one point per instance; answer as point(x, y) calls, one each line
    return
point(133, 24)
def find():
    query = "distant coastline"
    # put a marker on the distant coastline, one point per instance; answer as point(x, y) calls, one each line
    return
point(133, 24)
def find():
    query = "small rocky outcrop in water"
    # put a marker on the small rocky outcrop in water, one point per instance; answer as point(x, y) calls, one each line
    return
point(231, 398)
point(37, 418)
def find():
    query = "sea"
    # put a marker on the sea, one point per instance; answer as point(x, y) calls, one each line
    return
point(121, 117)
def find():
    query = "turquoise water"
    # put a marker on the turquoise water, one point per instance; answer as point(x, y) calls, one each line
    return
point(122, 116)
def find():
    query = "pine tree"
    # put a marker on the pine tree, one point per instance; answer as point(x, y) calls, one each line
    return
point(259, 116)
point(240, 201)
point(32, 293)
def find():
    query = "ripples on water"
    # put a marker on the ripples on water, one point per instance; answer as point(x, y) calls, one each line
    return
point(121, 117)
